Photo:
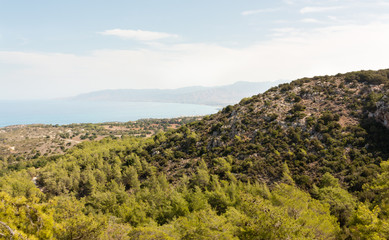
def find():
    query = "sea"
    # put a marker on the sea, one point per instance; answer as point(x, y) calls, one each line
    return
point(70, 111)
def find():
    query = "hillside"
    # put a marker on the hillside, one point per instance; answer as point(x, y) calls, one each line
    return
point(304, 160)
point(215, 96)
point(318, 125)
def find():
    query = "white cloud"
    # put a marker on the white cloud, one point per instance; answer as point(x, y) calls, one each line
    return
point(318, 9)
point(310, 20)
point(139, 35)
point(292, 54)
point(383, 3)
point(257, 11)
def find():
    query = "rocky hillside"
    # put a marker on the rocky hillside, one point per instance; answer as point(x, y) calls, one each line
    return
point(336, 124)
point(305, 160)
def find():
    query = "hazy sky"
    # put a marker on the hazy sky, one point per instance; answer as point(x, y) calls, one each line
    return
point(62, 48)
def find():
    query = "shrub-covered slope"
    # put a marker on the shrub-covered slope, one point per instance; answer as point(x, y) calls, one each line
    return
point(305, 160)
point(316, 125)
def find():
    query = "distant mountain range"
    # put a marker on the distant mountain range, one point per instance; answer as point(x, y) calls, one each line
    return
point(215, 96)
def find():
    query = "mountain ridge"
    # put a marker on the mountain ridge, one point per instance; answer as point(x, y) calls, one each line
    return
point(219, 95)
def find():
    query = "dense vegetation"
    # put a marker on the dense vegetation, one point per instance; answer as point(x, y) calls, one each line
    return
point(305, 160)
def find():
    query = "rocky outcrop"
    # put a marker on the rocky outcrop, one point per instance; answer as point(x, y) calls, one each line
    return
point(382, 112)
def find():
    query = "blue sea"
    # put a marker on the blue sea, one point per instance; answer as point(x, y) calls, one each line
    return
point(69, 111)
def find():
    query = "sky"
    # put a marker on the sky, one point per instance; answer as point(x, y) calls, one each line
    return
point(54, 49)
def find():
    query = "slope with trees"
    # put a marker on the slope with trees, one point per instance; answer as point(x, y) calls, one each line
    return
point(305, 160)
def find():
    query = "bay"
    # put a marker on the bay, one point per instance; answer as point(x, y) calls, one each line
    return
point(68, 111)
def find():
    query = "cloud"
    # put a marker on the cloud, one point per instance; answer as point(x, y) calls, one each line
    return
point(318, 9)
point(281, 32)
point(257, 11)
point(310, 20)
point(138, 35)
point(293, 54)
point(383, 3)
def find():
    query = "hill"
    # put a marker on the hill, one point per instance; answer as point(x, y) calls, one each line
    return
point(216, 96)
point(330, 124)
point(304, 160)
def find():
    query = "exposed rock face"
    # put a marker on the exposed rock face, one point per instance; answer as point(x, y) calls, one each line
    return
point(382, 112)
